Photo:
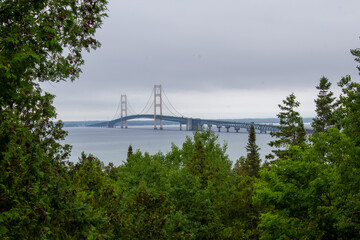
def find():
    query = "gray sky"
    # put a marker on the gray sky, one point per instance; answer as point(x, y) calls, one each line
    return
point(214, 58)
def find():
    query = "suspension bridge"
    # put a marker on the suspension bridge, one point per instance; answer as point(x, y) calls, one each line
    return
point(154, 110)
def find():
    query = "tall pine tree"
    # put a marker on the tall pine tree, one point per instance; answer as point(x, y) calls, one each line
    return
point(251, 165)
point(300, 133)
point(324, 106)
point(291, 129)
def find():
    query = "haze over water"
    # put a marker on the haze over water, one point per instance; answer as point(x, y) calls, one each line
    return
point(111, 144)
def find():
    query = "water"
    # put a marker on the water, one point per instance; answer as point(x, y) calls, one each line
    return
point(111, 144)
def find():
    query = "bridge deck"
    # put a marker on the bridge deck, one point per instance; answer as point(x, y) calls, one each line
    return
point(194, 122)
point(197, 123)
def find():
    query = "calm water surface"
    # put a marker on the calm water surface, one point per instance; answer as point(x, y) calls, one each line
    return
point(111, 144)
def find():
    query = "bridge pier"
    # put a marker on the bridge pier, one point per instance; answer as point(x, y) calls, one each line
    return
point(237, 129)
point(189, 124)
point(227, 128)
point(219, 127)
point(193, 125)
point(180, 127)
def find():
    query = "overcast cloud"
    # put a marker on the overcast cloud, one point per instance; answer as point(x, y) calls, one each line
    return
point(214, 59)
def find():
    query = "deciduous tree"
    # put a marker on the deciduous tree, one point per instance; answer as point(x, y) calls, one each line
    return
point(39, 41)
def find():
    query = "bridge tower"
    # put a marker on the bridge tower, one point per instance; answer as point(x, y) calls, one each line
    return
point(123, 110)
point(157, 104)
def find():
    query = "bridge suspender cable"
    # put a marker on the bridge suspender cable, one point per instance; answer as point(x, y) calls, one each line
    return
point(131, 109)
point(179, 114)
point(117, 110)
point(142, 111)
point(170, 110)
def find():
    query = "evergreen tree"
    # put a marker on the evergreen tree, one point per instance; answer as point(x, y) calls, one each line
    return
point(289, 129)
point(253, 156)
point(348, 111)
point(356, 54)
point(317, 196)
point(300, 133)
point(130, 151)
point(250, 165)
point(324, 106)
point(246, 172)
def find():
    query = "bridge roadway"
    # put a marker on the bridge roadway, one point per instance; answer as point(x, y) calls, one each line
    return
point(193, 124)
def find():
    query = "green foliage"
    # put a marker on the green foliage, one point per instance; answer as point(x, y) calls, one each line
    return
point(251, 164)
point(43, 39)
point(356, 54)
point(300, 134)
point(130, 152)
point(291, 129)
point(348, 111)
point(315, 195)
point(150, 216)
point(199, 165)
point(206, 149)
point(207, 200)
point(40, 40)
point(324, 106)
point(243, 212)
point(35, 201)
point(308, 197)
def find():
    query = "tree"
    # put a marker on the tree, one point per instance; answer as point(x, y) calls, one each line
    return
point(250, 165)
point(356, 54)
point(300, 133)
point(150, 216)
point(201, 194)
point(40, 40)
point(348, 111)
point(290, 129)
point(253, 156)
point(246, 171)
point(324, 106)
point(317, 196)
point(43, 40)
point(199, 164)
point(130, 152)
point(205, 144)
